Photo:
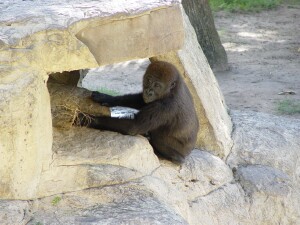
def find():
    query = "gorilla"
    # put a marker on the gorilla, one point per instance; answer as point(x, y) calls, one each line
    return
point(166, 113)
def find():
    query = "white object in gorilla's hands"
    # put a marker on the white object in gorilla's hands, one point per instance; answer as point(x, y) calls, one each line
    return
point(123, 112)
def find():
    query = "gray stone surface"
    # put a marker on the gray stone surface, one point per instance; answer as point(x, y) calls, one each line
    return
point(266, 158)
point(15, 212)
point(102, 147)
point(265, 139)
point(21, 18)
point(199, 175)
point(258, 178)
point(117, 79)
point(84, 158)
point(130, 203)
point(223, 206)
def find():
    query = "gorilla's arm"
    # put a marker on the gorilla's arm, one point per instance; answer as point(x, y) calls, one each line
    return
point(146, 120)
point(132, 100)
point(123, 126)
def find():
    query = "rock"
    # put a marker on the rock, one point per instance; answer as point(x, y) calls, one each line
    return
point(15, 212)
point(266, 157)
point(215, 124)
point(169, 193)
point(201, 191)
point(161, 197)
point(258, 178)
point(199, 175)
point(265, 139)
point(117, 79)
point(119, 204)
point(84, 146)
point(26, 132)
point(229, 204)
point(141, 37)
point(68, 78)
point(225, 205)
point(210, 171)
point(40, 31)
point(39, 38)
point(265, 209)
point(266, 187)
point(124, 181)
point(85, 158)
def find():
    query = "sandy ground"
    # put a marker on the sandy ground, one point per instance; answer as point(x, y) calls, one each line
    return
point(264, 56)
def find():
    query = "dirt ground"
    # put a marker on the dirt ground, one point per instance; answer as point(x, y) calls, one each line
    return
point(264, 55)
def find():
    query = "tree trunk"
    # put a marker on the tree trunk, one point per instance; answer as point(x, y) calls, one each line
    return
point(201, 18)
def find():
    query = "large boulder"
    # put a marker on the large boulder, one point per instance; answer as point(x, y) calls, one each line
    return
point(265, 139)
point(26, 131)
point(265, 157)
point(38, 38)
point(85, 158)
point(199, 175)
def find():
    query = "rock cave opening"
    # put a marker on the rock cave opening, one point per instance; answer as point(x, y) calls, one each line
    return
point(70, 91)
point(82, 157)
point(43, 154)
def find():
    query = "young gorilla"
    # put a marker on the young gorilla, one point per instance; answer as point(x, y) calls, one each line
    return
point(166, 112)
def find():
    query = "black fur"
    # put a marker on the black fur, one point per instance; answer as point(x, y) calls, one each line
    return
point(170, 119)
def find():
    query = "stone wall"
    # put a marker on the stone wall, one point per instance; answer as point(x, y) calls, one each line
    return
point(39, 38)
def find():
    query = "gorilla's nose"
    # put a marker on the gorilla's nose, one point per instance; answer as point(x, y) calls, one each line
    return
point(150, 93)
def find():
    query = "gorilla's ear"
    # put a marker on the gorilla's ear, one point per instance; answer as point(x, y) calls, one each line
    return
point(173, 85)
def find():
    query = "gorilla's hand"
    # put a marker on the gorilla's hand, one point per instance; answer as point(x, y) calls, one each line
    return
point(83, 120)
point(101, 98)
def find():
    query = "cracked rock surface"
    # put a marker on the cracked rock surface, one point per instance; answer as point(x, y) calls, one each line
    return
point(204, 190)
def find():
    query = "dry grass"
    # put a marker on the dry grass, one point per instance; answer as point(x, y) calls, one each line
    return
point(67, 102)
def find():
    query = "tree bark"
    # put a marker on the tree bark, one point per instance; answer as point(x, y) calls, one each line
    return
point(201, 18)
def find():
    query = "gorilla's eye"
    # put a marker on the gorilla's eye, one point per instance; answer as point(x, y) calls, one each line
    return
point(157, 85)
point(173, 85)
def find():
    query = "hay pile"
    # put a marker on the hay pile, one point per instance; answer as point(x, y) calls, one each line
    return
point(68, 100)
